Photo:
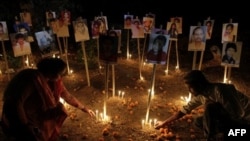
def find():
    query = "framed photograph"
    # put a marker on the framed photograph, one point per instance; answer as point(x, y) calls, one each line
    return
point(60, 30)
point(65, 17)
point(231, 54)
point(46, 43)
point(197, 38)
point(147, 24)
point(137, 29)
point(210, 25)
point(81, 31)
point(157, 49)
point(49, 16)
point(117, 33)
point(229, 32)
point(22, 27)
point(172, 29)
point(20, 44)
point(178, 21)
point(128, 21)
point(4, 35)
point(108, 49)
point(103, 27)
point(26, 18)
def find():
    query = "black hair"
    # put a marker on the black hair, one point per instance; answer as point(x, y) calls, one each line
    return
point(231, 45)
point(230, 25)
point(51, 66)
point(162, 38)
point(112, 33)
point(128, 18)
point(210, 22)
point(19, 35)
point(195, 77)
point(196, 28)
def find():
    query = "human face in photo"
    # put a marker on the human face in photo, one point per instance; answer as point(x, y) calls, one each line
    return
point(230, 52)
point(198, 35)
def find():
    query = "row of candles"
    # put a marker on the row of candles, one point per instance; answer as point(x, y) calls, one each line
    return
point(148, 124)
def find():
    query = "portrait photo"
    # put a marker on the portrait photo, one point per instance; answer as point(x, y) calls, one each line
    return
point(151, 15)
point(147, 24)
point(65, 17)
point(81, 31)
point(4, 35)
point(172, 29)
point(103, 21)
point(210, 25)
point(23, 27)
point(137, 29)
point(26, 18)
point(229, 32)
point(20, 44)
point(46, 42)
point(197, 38)
point(117, 33)
point(178, 21)
point(60, 30)
point(157, 49)
point(231, 54)
point(128, 21)
point(108, 49)
point(49, 16)
point(95, 29)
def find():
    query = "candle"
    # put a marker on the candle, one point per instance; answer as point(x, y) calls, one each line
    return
point(142, 123)
point(155, 120)
point(123, 94)
point(150, 121)
point(101, 115)
point(119, 93)
point(96, 114)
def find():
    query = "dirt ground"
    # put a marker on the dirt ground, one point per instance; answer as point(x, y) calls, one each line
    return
point(126, 114)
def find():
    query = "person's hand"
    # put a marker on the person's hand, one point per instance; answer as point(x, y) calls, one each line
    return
point(159, 124)
point(90, 112)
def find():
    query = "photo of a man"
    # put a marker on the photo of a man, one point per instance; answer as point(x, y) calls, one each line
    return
point(20, 45)
point(108, 49)
point(197, 38)
point(157, 50)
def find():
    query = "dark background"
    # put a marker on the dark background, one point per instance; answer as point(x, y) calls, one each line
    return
point(192, 12)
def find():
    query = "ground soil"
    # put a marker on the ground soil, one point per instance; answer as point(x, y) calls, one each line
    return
point(126, 114)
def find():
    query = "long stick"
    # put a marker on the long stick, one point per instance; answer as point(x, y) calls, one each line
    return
point(169, 49)
point(194, 60)
point(113, 79)
point(150, 94)
point(201, 59)
point(106, 90)
point(177, 54)
point(6, 61)
point(85, 62)
point(128, 44)
point(139, 56)
point(66, 52)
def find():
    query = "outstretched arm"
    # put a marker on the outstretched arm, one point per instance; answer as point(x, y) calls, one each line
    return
point(73, 101)
point(174, 117)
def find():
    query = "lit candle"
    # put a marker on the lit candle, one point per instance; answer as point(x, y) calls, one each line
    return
point(150, 122)
point(155, 120)
point(96, 114)
point(123, 94)
point(119, 93)
point(142, 123)
point(101, 115)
